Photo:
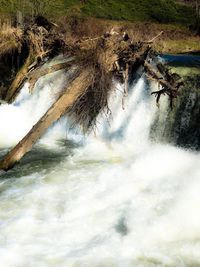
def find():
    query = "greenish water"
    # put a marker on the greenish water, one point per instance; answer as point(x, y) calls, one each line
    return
point(184, 65)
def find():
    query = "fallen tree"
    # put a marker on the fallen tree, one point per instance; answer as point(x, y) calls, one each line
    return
point(97, 61)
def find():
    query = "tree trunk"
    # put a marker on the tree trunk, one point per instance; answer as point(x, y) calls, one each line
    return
point(58, 109)
point(18, 81)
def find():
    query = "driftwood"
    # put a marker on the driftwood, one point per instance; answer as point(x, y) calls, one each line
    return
point(97, 60)
point(35, 51)
point(154, 38)
point(18, 81)
point(38, 43)
point(126, 78)
point(169, 86)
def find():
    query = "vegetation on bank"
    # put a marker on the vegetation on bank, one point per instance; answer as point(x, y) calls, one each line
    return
point(143, 18)
point(162, 11)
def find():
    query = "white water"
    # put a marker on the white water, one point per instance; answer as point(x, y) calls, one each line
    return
point(116, 200)
point(17, 119)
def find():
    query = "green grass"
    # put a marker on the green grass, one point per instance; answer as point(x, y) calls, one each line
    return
point(48, 8)
point(162, 11)
point(178, 45)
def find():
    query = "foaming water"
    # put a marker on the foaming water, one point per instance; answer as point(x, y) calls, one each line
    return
point(18, 118)
point(116, 199)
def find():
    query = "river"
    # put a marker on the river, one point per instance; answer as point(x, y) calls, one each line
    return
point(113, 198)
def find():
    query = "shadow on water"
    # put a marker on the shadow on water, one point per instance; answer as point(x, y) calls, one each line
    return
point(40, 159)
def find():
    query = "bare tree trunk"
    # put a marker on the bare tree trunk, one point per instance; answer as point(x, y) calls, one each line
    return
point(18, 81)
point(58, 109)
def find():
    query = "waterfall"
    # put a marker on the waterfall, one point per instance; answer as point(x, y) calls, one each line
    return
point(18, 118)
point(131, 124)
point(112, 198)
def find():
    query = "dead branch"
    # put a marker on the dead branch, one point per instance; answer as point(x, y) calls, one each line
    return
point(18, 81)
point(153, 39)
point(40, 44)
point(167, 87)
point(126, 81)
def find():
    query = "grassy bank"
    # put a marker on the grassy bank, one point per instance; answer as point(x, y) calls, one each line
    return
point(162, 11)
point(142, 18)
point(175, 38)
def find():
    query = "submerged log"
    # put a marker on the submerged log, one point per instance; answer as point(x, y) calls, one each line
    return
point(58, 109)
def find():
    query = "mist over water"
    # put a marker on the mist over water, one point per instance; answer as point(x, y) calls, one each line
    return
point(113, 198)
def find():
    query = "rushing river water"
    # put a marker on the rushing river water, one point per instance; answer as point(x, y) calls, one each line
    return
point(110, 199)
